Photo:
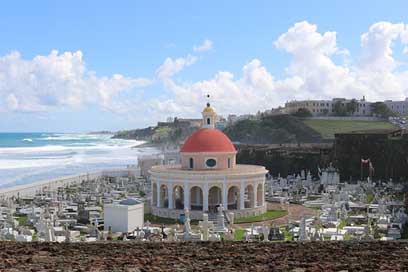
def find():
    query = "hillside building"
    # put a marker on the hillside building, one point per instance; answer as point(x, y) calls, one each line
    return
point(327, 107)
point(398, 107)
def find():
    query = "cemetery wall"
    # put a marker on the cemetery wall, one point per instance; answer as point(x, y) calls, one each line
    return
point(287, 158)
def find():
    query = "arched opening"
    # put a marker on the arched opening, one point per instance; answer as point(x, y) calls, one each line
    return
point(249, 196)
point(208, 121)
point(164, 196)
point(191, 163)
point(214, 199)
point(154, 194)
point(178, 197)
point(233, 198)
point(259, 194)
point(196, 198)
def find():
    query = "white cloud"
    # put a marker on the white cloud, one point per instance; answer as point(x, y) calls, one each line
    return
point(312, 73)
point(404, 38)
point(376, 46)
point(58, 80)
point(12, 102)
point(170, 67)
point(205, 46)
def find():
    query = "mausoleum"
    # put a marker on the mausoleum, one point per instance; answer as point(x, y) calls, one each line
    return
point(207, 177)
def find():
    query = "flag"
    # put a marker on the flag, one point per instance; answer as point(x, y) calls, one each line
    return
point(363, 161)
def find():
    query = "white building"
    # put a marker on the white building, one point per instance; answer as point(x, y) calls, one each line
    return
point(124, 216)
point(399, 107)
point(326, 107)
point(208, 177)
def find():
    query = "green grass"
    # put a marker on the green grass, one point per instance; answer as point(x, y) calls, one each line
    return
point(369, 199)
point(239, 234)
point(258, 218)
point(342, 224)
point(327, 128)
point(347, 237)
point(159, 220)
point(22, 220)
point(287, 234)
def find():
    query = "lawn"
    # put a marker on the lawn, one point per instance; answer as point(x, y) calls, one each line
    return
point(22, 220)
point(287, 234)
point(263, 217)
point(159, 220)
point(165, 221)
point(327, 128)
point(239, 234)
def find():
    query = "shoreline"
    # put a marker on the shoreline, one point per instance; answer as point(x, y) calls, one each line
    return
point(30, 189)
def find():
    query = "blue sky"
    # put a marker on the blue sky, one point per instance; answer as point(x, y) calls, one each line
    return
point(134, 38)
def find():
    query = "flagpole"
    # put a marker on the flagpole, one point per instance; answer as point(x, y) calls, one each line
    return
point(361, 169)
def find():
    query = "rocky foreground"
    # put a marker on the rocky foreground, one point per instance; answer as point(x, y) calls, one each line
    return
point(205, 256)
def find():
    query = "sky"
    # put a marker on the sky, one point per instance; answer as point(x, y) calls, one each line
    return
point(75, 66)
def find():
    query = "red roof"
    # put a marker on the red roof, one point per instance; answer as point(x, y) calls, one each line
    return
point(208, 140)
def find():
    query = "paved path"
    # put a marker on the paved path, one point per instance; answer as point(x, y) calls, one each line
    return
point(296, 213)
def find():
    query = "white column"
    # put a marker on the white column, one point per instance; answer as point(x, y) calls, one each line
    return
point(255, 194)
point(263, 193)
point(186, 196)
point(198, 196)
point(152, 193)
point(170, 194)
point(205, 197)
point(158, 193)
point(242, 196)
point(225, 195)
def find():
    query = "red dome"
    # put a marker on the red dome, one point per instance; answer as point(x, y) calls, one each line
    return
point(208, 140)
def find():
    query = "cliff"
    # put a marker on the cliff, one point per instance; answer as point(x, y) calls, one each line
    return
point(162, 134)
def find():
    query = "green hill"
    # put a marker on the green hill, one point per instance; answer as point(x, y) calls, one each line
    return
point(327, 128)
point(275, 129)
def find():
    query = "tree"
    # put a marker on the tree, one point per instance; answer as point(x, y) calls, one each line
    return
point(303, 113)
point(339, 109)
point(381, 109)
point(352, 106)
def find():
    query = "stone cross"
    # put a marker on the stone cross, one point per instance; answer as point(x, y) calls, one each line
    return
point(205, 226)
point(265, 233)
point(172, 235)
point(220, 220)
point(147, 224)
point(252, 229)
point(187, 227)
point(302, 230)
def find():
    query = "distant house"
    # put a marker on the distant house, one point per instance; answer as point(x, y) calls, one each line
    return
point(327, 107)
point(398, 107)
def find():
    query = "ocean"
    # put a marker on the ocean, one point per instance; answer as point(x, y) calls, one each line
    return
point(31, 157)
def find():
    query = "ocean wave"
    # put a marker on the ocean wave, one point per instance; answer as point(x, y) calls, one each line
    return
point(27, 140)
point(75, 137)
point(34, 163)
point(25, 164)
point(56, 148)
